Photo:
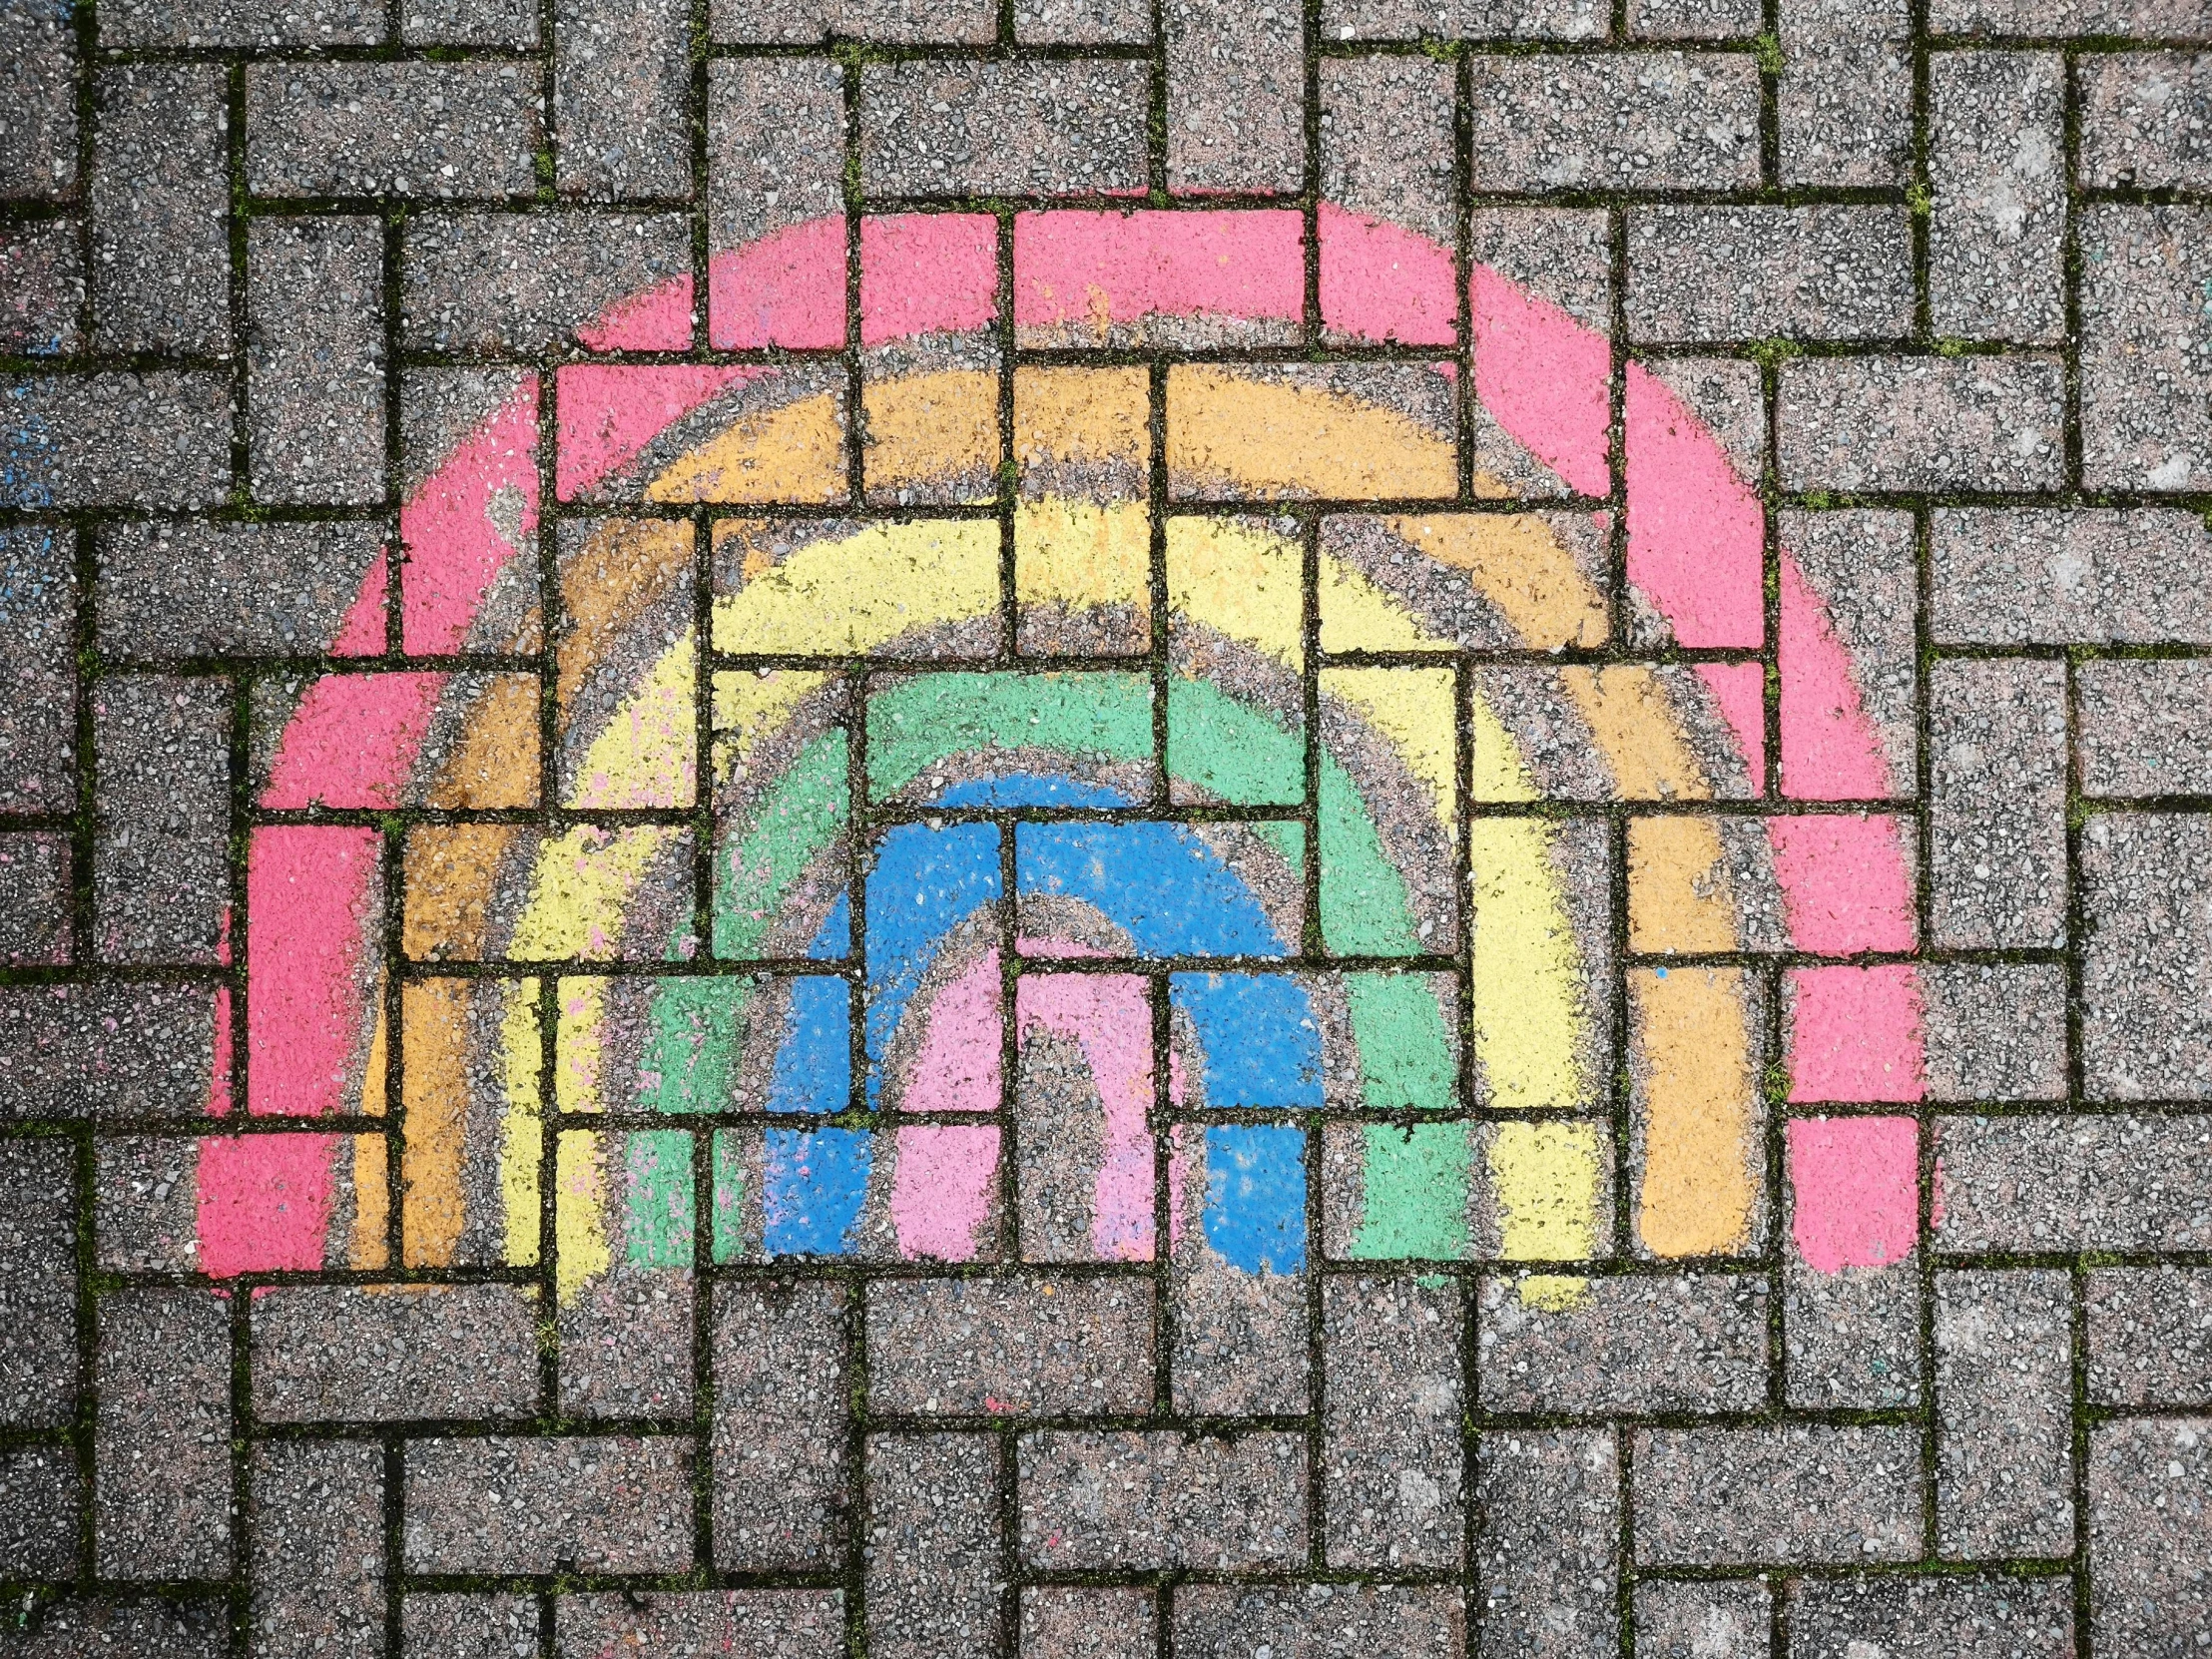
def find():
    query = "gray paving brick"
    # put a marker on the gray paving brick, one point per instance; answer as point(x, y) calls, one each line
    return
point(936, 1563)
point(2150, 1549)
point(2145, 120)
point(41, 1505)
point(171, 588)
point(1023, 1347)
point(161, 870)
point(621, 91)
point(318, 1549)
point(1547, 1546)
point(1236, 97)
point(779, 1442)
point(469, 23)
point(742, 1624)
point(517, 1506)
point(2004, 1414)
point(2149, 1336)
point(1994, 1032)
point(1241, 1339)
point(1017, 128)
point(625, 1344)
point(114, 1049)
point(1726, 395)
point(1850, 1339)
point(1163, 1498)
point(1386, 142)
point(389, 1354)
point(1997, 803)
point(160, 202)
point(241, 23)
point(525, 284)
point(1452, 19)
point(1682, 1343)
point(1806, 1493)
point(1693, 19)
point(89, 1627)
point(1392, 1471)
point(1844, 109)
point(402, 129)
point(2146, 348)
point(1930, 1617)
point(1922, 423)
point(316, 386)
point(1628, 121)
point(454, 1624)
point(38, 102)
point(1089, 1623)
point(1731, 273)
point(1082, 22)
point(2046, 576)
point(34, 899)
point(2145, 727)
point(1228, 1621)
point(2092, 1182)
point(2145, 1030)
point(154, 440)
point(1716, 1619)
point(38, 1284)
point(809, 22)
point(2147, 19)
point(38, 668)
point(1994, 255)
point(41, 287)
point(1863, 569)
point(146, 1204)
point(162, 1443)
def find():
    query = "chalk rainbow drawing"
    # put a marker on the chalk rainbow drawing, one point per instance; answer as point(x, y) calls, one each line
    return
point(1520, 1173)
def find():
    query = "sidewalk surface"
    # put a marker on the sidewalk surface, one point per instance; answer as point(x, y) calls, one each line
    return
point(1138, 828)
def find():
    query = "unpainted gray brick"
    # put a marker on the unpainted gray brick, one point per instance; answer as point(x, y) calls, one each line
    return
point(937, 1561)
point(1694, 19)
point(38, 668)
point(621, 84)
point(161, 870)
point(319, 1550)
point(526, 285)
point(2146, 120)
point(2150, 1536)
point(2004, 1414)
point(1456, 19)
point(1930, 1616)
point(1162, 1498)
point(1923, 423)
point(508, 1504)
point(1844, 107)
point(779, 1442)
point(1392, 1471)
point(1682, 1343)
point(1736, 274)
point(1022, 1346)
point(157, 440)
point(42, 1501)
point(2053, 576)
point(2146, 346)
point(1017, 128)
point(1241, 1338)
point(1800, 1492)
point(241, 23)
point(392, 1353)
point(2095, 1181)
point(171, 588)
point(2145, 726)
point(625, 1344)
point(737, 1624)
point(2147, 1028)
point(34, 899)
point(316, 386)
point(1236, 97)
point(104, 1624)
point(38, 1284)
point(38, 101)
point(469, 23)
point(1994, 1031)
point(162, 1442)
point(468, 1625)
point(1386, 142)
point(1997, 803)
point(146, 1203)
point(2149, 1336)
point(41, 287)
point(1729, 1618)
point(160, 203)
point(1100, 1623)
point(2147, 19)
point(1625, 121)
point(1995, 268)
point(1078, 22)
point(1231, 1621)
point(113, 1049)
point(1547, 1545)
point(811, 22)
point(404, 129)
point(1850, 1339)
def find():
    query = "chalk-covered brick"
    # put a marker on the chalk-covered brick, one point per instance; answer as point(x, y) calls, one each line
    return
point(1997, 803)
point(621, 91)
point(1857, 578)
point(522, 284)
point(2145, 726)
point(780, 1435)
point(2146, 120)
point(2004, 1414)
point(1148, 1500)
point(2149, 1336)
point(2146, 346)
point(2054, 576)
point(1923, 423)
point(1850, 1315)
point(38, 102)
point(1026, 127)
point(315, 382)
point(1731, 273)
point(505, 1504)
point(161, 879)
point(1994, 1031)
point(1548, 1544)
point(161, 1442)
point(2096, 1180)
point(1561, 256)
point(161, 200)
point(1802, 1492)
point(38, 1284)
point(1028, 1346)
point(2150, 1536)
point(1230, 1621)
point(1385, 162)
point(346, 1354)
point(1616, 121)
point(318, 1549)
point(404, 129)
point(1996, 260)
point(1393, 1478)
point(2147, 1033)
point(935, 1555)
point(156, 440)
point(1236, 97)
point(1682, 1343)
point(776, 164)
point(1932, 1616)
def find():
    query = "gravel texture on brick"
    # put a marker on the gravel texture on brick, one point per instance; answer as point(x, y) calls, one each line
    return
point(41, 1505)
point(1236, 85)
point(1047, 1347)
point(1392, 1474)
point(318, 1525)
point(1641, 121)
point(34, 899)
point(743, 1624)
point(2043, 575)
point(1227, 1621)
point(1161, 1499)
point(1923, 1618)
point(503, 1504)
point(160, 247)
point(1054, 127)
point(2149, 1561)
point(352, 129)
point(38, 668)
point(2149, 1336)
point(2145, 727)
point(1548, 1544)
point(161, 854)
point(2145, 119)
point(936, 1554)
point(38, 1284)
point(1994, 1031)
point(162, 1454)
point(460, 1624)
point(621, 91)
point(1738, 273)
point(2097, 1180)
point(2145, 1032)
point(38, 105)
point(161, 439)
point(123, 1048)
point(1643, 1344)
point(2146, 348)
point(2004, 1410)
point(1998, 807)
point(1995, 237)
point(41, 287)
point(331, 1352)
point(1922, 423)
point(1807, 1492)
point(1708, 1619)
point(1093, 1624)
point(526, 285)
point(779, 1444)
point(315, 375)
point(171, 588)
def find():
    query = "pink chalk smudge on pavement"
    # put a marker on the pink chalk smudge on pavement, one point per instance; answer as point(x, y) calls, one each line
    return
point(1855, 1033)
point(1855, 1191)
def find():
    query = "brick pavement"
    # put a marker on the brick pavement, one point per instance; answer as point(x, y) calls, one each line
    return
point(1118, 828)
